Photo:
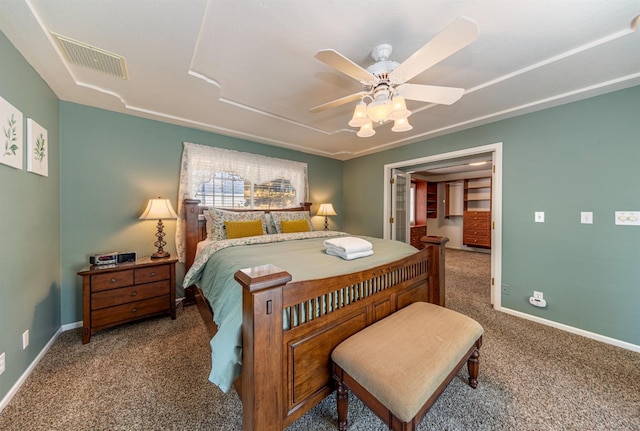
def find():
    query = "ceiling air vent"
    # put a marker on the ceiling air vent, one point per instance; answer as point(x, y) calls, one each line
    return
point(91, 57)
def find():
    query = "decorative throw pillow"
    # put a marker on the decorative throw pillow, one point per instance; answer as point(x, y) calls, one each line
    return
point(279, 216)
point(217, 217)
point(240, 229)
point(290, 226)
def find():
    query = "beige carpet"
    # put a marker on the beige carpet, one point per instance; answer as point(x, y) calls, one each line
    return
point(152, 375)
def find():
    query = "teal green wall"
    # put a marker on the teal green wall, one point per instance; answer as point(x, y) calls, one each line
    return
point(29, 226)
point(581, 156)
point(114, 163)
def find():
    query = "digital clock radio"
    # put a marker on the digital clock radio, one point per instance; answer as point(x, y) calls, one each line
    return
point(113, 258)
point(104, 258)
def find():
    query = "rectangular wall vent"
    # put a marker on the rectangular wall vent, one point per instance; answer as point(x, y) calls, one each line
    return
point(91, 57)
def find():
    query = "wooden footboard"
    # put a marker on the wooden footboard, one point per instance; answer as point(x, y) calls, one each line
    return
point(287, 372)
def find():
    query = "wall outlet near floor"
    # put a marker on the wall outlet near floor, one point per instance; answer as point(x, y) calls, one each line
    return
point(25, 339)
point(2, 363)
point(538, 300)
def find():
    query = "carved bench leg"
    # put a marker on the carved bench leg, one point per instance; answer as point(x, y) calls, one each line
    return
point(342, 398)
point(473, 365)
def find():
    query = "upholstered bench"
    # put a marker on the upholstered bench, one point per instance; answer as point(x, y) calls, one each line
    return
point(401, 364)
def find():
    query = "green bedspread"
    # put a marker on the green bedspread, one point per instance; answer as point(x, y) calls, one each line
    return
point(300, 254)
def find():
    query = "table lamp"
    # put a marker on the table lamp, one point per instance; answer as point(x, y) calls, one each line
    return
point(326, 210)
point(159, 209)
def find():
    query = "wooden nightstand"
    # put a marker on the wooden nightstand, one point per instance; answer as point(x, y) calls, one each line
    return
point(126, 292)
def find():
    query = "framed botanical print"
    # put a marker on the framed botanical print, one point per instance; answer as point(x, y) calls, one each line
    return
point(37, 148)
point(11, 139)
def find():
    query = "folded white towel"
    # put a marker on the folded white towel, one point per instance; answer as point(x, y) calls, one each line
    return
point(349, 244)
point(333, 251)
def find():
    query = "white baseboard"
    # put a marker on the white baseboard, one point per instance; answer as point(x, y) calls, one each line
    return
point(70, 326)
point(573, 330)
point(28, 371)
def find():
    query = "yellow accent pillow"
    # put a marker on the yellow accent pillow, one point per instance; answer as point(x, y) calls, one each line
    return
point(240, 229)
point(291, 226)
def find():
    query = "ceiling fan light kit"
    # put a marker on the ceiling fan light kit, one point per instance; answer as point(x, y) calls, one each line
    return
point(385, 81)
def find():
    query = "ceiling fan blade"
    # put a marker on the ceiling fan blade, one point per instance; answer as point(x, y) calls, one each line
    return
point(346, 66)
point(452, 39)
point(338, 102)
point(431, 93)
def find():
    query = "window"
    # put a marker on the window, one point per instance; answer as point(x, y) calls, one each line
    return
point(228, 190)
point(233, 179)
point(225, 189)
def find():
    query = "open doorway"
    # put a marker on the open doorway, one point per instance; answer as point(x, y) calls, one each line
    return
point(459, 158)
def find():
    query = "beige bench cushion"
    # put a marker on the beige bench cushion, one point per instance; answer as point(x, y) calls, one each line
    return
point(402, 359)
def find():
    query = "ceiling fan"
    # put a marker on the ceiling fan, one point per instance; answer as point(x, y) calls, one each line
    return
point(386, 84)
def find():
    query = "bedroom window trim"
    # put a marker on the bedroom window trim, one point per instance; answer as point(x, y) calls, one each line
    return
point(200, 163)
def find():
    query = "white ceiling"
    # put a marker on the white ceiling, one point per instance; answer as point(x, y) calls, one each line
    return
point(246, 68)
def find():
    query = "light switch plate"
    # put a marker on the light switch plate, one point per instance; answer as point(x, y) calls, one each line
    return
point(538, 217)
point(628, 218)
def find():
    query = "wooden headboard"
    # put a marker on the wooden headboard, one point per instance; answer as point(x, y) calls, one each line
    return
point(195, 226)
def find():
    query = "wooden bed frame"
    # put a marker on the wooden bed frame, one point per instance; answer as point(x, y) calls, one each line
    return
point(286, 372)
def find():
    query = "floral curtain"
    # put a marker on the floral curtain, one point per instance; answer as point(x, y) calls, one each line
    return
point(201, 162)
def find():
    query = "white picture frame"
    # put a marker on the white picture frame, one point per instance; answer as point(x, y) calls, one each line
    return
point(37, 148)
point(11, 137)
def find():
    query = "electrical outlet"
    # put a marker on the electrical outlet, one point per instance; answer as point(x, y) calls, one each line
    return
point(538, 216)
point(538, 295)
point(2, 363)
point(629, 218)
point(25, 339)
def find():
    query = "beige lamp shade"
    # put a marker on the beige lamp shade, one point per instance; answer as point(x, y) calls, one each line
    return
point(159, 209)
point(326, 210)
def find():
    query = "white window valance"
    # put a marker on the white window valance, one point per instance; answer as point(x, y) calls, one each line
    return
point(201, 162)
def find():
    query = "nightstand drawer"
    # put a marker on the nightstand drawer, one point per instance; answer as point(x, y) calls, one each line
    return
point(131, 311)
point(147, 275)
point(125, 295)
point(111, 280)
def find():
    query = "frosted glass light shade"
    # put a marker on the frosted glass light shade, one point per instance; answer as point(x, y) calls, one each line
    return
point(401, 125)
point(359, 118)
point(398, 108)
point(378, 110)
point(366, 130)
